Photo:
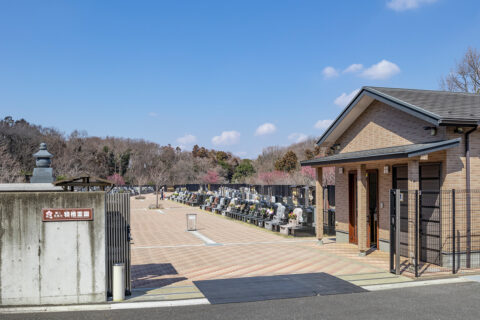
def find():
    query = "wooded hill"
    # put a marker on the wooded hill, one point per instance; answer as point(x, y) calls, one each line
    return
point(136, 161)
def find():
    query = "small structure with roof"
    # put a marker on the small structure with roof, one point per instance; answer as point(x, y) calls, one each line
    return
point(85, 182)
point(408, 139)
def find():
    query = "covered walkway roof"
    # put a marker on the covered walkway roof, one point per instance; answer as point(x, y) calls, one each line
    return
point(83, 181)
point(405, 151)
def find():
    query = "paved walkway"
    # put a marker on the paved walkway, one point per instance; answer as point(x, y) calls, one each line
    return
point(166, 256)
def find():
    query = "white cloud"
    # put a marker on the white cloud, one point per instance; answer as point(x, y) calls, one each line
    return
point(240, 154)
point(330, 72)
point(297, 137)
point(153, 114)
point(344, 98)
point(266, 128)
point(403, 5)
point(381, 71)
point(186, 140)
point(356, 67)
point(323, 124)
point(226, 138)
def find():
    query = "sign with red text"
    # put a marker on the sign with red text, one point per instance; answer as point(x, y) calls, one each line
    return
point(75, 214)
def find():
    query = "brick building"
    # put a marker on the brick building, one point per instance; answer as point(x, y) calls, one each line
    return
point(405, 139)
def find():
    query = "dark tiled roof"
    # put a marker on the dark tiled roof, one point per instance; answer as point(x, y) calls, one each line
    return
point(405, 151)
point(446, 105)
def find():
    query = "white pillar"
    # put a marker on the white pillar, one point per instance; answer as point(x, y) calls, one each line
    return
point(118, 282)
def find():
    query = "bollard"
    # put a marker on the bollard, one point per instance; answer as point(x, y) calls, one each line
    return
point(191, 221)
point(118, 282)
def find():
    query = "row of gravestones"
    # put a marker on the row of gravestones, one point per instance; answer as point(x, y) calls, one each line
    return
point(286, 218)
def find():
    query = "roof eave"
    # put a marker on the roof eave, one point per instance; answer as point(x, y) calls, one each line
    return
point(458, 122)
point(414, 153)
point(359, 159)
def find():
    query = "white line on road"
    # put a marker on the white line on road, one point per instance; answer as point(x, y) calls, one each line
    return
point(202, 237)
point(378, 287)
point(177, 246)
point(267, 242)
point(227, 244)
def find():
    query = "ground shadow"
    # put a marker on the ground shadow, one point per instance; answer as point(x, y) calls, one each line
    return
point(371, 250)
point(147, 275)
point(262, 288)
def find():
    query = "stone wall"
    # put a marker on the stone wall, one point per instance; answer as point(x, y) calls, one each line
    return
point(51, 262)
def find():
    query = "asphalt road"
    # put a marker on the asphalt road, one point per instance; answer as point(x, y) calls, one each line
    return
point(453, 301)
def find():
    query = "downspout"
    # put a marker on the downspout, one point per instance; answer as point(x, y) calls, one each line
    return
point(467, 156)
point(467, 178)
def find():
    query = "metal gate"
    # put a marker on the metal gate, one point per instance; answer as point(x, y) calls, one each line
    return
point(415, 228)
point(117, 225)
point(404, 231)
point(430, 213)
point(430, 227)
point(400, 181)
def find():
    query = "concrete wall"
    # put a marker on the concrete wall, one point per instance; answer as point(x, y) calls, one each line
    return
point(51, 262)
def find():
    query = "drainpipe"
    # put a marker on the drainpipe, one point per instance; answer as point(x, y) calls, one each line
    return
point(467, 178)
point(467, 155)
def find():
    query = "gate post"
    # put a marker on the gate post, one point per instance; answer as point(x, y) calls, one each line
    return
point(453, 232)
point(319, 204)
point(397, 233)
point(417, 220)
point(392, 230)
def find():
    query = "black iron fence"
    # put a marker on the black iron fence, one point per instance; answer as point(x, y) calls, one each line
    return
point(271, 190)
point(193, 187)
point(436, 231)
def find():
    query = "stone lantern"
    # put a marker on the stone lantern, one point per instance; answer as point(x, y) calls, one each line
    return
point(42, 173)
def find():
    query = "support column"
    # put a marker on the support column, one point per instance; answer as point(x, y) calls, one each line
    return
point(413, 184)
point(362, 208)
point(319, 204)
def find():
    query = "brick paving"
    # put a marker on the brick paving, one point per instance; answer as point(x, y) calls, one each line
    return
point(165, 254)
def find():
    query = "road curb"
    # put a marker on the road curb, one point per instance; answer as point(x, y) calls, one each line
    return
point(105, 307)
point(410, 284)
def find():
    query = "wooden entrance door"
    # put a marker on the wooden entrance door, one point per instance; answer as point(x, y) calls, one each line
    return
point(372, 214)
point(352, 208)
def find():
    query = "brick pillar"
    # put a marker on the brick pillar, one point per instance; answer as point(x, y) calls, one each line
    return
point(413, 184)
point(319, 204)
point(362, 208)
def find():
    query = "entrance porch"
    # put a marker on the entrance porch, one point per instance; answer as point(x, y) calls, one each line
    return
point(363, 181)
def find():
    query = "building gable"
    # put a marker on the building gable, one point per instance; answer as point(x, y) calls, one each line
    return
point(382, 126)
point(437, 108)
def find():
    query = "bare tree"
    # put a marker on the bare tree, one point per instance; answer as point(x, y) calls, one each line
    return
point(159, 173)
point(9, 168)
point(138, 161)
point(465, 76)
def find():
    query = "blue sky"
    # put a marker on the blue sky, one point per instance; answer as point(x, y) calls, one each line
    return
point(213, 72)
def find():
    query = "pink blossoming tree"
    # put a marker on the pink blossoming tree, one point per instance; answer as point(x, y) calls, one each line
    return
point(116, 179)
point(211, 177)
